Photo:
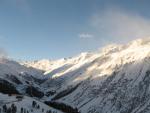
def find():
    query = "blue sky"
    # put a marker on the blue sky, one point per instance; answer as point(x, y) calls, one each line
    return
point(37, 29)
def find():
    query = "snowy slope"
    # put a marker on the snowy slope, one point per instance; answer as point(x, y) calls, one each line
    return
point(8, 66)
point(16, 78)
point(25, 103)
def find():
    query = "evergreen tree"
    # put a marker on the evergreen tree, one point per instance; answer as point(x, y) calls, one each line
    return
point(4, 108)
point(38, 106)
point(8, 110)
point(34, 104)
point(21, 110)
point(42, 109)
point(13, 108)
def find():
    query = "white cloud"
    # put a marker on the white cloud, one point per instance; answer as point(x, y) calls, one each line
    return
point(86, 35)
point(118, 25)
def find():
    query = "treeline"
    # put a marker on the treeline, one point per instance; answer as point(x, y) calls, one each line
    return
point(62, 107)
point(13, 78)
point(13, 109)
point(65, 92)
point(34, 92)
point(7, 88)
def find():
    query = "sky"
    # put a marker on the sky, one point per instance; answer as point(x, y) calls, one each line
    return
point(53, 29)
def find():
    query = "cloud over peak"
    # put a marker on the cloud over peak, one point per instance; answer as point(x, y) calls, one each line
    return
point(119, 25)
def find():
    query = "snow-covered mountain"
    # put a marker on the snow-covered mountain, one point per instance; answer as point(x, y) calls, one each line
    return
point(115, 79)
point(16, 78)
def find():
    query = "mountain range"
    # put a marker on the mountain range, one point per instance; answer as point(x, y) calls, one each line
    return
point(114, 79)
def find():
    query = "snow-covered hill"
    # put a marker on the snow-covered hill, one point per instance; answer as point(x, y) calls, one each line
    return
point(23, 104)
point(16, 78)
